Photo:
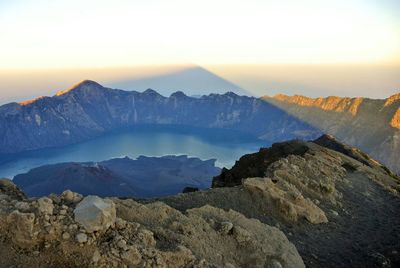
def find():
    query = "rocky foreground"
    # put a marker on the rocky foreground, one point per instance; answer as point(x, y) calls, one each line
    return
point(296, 204)
point(68, 230)
point(338, 206)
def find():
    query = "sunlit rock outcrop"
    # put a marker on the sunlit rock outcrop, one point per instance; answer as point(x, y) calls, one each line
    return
point(371, 125)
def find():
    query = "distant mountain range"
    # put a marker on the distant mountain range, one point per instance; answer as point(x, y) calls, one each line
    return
point(143, 177)
point(192, 79)
point(369, 124)
point(89, 109)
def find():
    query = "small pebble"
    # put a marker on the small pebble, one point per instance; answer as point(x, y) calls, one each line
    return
point(81, 238)
point(66, 236)
point(225, 227)
point(63, 212)
point(96, 256)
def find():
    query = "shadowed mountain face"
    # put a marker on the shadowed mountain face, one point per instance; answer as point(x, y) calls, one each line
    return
point(89, 109)
point(144, 177)
point(372, 125)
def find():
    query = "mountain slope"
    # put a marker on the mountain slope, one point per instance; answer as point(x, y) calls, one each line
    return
point(336, 204)
point(89, 109)
point(372, 125)
point(143, 177)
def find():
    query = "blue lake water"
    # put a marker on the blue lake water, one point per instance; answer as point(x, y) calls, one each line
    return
point(224, 146)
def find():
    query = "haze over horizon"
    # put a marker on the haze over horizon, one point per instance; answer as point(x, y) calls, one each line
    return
point(345, 48)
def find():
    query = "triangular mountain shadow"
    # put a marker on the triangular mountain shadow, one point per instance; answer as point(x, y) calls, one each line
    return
point(192, 80)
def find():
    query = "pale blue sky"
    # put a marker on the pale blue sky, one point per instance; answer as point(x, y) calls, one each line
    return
point(95, 33)
point(309, 47)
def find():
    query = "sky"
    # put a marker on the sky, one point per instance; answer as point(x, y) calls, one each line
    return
point(225, 37)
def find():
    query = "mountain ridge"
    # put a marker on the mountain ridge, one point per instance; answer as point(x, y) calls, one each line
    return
point(370, 124)
point(90, 84)
point(84, 83)
point(141, 177)
point(89, 109)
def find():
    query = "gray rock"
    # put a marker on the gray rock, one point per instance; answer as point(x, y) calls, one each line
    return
point(22, 206)
point(334, 213)
point(95, 213)
point(96, 256)
point(71, 197)
point(276, 264)
point(120, 223)
point(81, 238)
point(63, 212)
point(21, 228)
point(225, 227)
point(241, 235)
point(66, 236)
point(45, 206)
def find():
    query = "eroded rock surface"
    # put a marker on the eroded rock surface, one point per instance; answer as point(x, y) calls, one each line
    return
point(285, 200)
point(95, 213)
point(96, 232)
point(291, 180)
point(222, 238)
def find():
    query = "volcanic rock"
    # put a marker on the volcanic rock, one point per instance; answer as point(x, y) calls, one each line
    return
point(95, 213)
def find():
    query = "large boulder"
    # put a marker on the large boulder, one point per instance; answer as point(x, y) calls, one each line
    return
point(45, 206)
point(284, 200)
point(22, 228)
point(95, 213)
point(71, 197)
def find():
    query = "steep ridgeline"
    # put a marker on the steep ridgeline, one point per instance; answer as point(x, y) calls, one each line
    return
point(371, 125)
point(89, 109)
point(143, 177)
point(336, 204)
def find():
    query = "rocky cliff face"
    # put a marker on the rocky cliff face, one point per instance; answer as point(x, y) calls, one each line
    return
point(372, 125)
point(88, 110)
